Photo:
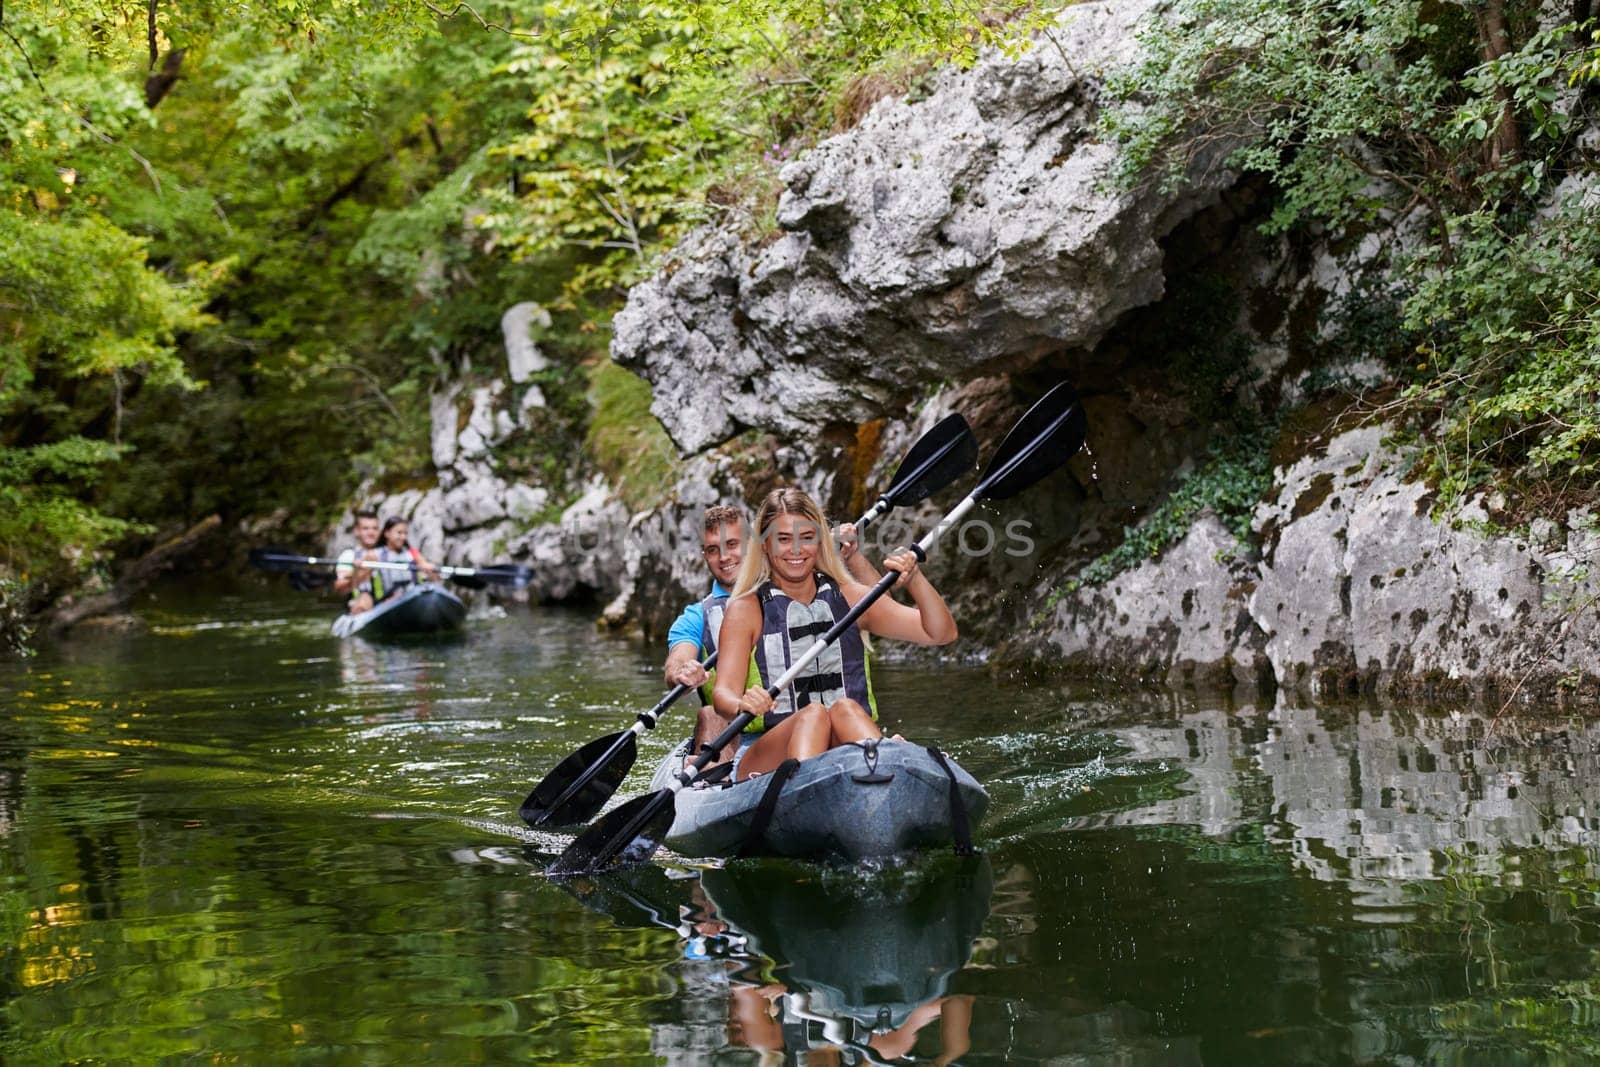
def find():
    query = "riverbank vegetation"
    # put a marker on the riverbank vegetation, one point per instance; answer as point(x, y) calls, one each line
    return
point(240, 244)
point(1454, 143)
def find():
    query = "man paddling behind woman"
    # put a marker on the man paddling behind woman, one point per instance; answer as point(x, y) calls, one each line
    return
point(792, 587)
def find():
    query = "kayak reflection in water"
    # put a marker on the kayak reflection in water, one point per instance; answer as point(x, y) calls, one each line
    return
point(790, 590)
point(772, 1018)
point(858, 969)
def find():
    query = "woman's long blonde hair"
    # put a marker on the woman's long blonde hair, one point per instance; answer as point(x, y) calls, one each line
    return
point(757, 568)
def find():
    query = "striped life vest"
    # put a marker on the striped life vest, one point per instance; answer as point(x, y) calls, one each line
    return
point(396, 580)
point(713, 607)
point(788, 629)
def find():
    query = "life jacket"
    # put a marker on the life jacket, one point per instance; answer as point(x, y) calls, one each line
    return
point(712, 608)
point(788, 629)
point(397, 580)
point(374, 580)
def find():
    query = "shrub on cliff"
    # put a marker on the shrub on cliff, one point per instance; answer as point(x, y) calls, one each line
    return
point(1447, 127)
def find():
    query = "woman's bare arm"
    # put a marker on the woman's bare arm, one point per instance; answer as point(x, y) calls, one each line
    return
point(929, 622)
point(741, 625)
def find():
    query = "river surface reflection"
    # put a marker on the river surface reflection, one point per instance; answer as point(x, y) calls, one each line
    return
point(234, 838)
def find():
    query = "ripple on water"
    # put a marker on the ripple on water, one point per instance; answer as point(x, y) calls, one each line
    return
point(312, 848)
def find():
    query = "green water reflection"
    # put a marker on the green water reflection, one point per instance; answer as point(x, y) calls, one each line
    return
point(232, 838)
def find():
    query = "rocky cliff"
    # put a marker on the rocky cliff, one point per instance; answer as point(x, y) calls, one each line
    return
point(965, 250)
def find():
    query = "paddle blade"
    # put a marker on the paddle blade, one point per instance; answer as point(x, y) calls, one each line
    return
point(944, 454)
point(469, 581)
point(627, 834)
point(306, 581)
point(582, 783)
point(275, 559)
point(1045, 438)
point(512, 575)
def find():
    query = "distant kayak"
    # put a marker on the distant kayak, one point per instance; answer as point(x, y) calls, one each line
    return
point(424, 608)
point(841, 804)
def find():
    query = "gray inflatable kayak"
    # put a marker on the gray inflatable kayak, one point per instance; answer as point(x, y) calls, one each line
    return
point(423, 608)
point(844, 803)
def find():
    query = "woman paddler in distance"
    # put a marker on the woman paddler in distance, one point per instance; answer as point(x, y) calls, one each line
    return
point(789, 592)
point(395, 547)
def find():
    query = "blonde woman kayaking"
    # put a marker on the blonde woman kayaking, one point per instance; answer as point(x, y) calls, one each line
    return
point(790, 590)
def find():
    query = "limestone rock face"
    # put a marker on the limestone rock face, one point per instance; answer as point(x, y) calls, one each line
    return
point(1184, 618)
point(1363, 587)
point(937, 239)
point(523, 357)
point(475, 515)
point(1358, 589)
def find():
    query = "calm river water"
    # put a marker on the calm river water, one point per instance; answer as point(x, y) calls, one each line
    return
point(235, 839)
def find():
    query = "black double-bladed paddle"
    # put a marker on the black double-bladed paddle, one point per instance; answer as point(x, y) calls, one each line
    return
point(1045, 438)
point(583, 782)
point(514, 575)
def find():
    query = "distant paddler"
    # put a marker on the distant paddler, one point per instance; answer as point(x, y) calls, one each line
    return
point(364, 586)
point(396, 548)
point(792, 587)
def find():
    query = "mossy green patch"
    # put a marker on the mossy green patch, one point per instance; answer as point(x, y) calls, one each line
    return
point(1233, 479)
point(624, 438)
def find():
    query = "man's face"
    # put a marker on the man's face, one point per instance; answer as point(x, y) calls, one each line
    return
point(724, 549)
point(367, 533)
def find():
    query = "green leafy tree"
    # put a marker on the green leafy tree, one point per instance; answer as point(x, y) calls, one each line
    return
point(1464, 115)
point(241, 243)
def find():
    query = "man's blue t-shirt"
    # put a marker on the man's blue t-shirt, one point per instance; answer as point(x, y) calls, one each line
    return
point(691, 624)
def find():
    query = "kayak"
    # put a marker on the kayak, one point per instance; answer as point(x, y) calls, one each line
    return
point(853, 802)
point(423, 608)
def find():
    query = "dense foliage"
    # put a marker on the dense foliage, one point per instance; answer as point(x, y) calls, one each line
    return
point(240, 243)
point(1452, 131)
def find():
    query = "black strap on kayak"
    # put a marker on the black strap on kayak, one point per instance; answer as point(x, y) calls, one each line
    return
point(715, 773)
point(960, 826)
point(769, 802)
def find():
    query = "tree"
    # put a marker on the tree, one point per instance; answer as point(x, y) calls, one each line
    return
point(1363, 113)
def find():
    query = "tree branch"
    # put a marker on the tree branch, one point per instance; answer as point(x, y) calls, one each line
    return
point(486, 24)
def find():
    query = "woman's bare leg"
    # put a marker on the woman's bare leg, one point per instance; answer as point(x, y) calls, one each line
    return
point(802, 735)
point(849, 722)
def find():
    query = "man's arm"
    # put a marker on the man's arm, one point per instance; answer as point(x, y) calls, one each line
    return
point(683, 648)
point(344, 575)
point(683, 664)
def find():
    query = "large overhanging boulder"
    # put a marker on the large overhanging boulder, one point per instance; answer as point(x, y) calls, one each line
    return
point(969, 231)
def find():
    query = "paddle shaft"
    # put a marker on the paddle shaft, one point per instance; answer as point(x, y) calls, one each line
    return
point(374, 564)
point(873, 595)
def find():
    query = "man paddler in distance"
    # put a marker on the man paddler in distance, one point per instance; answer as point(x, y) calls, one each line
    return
point(693, 636)
point(363, 585)
point(792, 587)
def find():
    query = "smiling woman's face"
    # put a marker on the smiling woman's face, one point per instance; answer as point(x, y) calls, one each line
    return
point(791, 547)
